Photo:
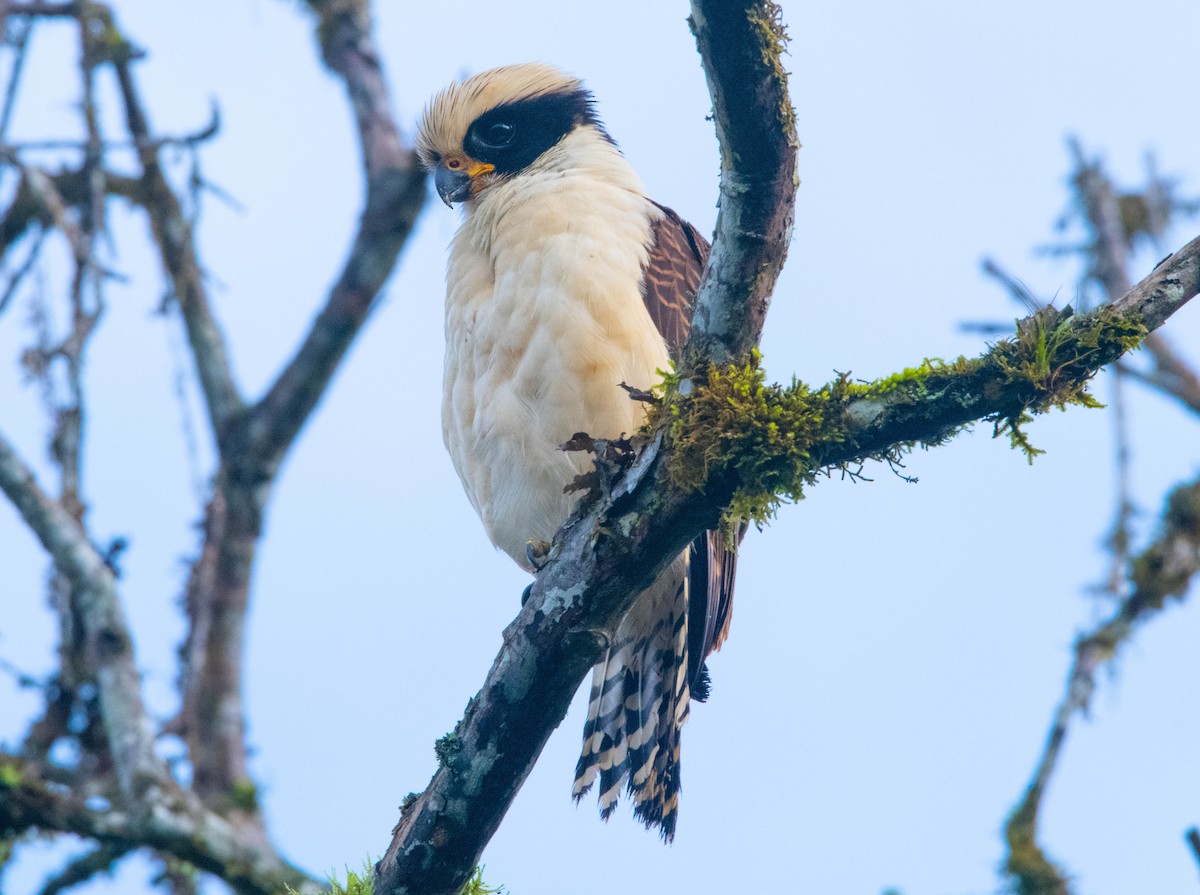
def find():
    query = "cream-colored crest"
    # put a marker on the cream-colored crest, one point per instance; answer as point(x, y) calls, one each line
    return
point(449, 114)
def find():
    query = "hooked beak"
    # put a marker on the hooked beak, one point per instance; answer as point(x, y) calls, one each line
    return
point(458, 184)
point(452, 186)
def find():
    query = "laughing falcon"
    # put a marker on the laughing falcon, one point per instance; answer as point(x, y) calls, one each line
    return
point(563, 282)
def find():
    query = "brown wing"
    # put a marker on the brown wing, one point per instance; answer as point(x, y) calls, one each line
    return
point(678, 254)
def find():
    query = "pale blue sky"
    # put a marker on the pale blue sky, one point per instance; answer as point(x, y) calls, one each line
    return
point(897, 650)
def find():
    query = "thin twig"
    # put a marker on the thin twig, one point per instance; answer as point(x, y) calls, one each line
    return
point(100, 860)
point(20, 45)
point(1193, 840)
point(1119, 538)
point(1163, 571)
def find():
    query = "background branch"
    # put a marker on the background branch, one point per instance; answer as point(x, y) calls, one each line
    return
point(224, 824)
point(1114, 223)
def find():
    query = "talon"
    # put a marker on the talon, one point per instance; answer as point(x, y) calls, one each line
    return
point(536, 551)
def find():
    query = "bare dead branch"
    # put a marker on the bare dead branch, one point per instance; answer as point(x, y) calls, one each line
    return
point(20, 45)
point(222, 830)
point(173, 234)
point(43, 10)
point(1171, 374)
point(255, 443)
point(395, 194)
point(108, 645)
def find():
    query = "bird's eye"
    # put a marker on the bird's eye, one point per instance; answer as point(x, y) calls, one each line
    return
point(498, 133)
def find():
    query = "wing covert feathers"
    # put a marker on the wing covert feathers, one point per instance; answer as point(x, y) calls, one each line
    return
point(677, 254)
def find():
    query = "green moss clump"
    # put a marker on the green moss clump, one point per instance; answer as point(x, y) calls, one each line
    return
point(364, 883)
point(446, 747)
point(476, 886)
point(1051, 361)
point(729, 422)
point(244, 796)
point(1032, 872)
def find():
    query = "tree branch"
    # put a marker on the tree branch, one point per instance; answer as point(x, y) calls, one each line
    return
point(254, 443)
point(395, 195)
point(741, 45)
point(1163, 571)
point(1166, 567)
point(108, 647)
point(173, 234)
point(173, 824)
point(100, 860)
point(609, 551)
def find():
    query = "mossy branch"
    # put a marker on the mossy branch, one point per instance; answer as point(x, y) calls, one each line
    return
point(769, 442)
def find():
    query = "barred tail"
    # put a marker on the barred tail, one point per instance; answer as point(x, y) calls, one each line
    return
point(639, 702)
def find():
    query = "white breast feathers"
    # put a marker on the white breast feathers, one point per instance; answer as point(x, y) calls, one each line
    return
point(544, 320)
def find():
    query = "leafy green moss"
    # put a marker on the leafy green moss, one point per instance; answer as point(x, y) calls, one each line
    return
point(767, 20)
point(1051, 360)
point(364, 883)
point(244, 796)
point(446, 747)
point(1031, 871)
point(476, 886)
point(727, 423)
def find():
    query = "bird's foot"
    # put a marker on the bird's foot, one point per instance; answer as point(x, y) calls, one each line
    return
point(536, 551)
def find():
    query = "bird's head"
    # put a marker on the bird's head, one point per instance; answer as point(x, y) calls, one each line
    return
point(496, 124)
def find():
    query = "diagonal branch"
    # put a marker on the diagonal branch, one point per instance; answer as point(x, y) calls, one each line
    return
point(101, 859)
point(173, 233)
point(1163, 571)
point(108, 646)
point(395, 194)
point(611, 550)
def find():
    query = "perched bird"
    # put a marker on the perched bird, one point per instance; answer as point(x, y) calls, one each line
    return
point(563, 282)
